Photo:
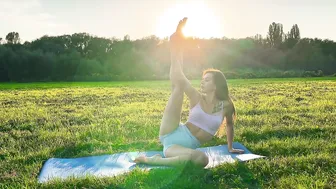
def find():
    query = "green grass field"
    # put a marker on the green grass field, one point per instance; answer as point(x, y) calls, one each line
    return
point(291, 121)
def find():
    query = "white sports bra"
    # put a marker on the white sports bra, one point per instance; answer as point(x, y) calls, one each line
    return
point(208, 122)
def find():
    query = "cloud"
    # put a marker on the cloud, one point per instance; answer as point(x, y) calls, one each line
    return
point(28, 18)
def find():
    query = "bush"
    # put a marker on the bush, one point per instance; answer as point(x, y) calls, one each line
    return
point(308, 74)
point(271, 73)
point(291, 73)
point(248, 75)
point(318, 73)
point(231, 75)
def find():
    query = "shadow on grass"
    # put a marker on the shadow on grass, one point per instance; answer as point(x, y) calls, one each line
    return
point(236, 175)
point(228, 175)
point(311, 133)
point(290, 148)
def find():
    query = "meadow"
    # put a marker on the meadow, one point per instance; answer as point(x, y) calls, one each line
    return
point(292, 121)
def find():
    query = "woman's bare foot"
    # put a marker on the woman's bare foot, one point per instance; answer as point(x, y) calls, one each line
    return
point(147, 160)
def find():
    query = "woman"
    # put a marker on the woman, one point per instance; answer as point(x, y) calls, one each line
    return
point(209, 109)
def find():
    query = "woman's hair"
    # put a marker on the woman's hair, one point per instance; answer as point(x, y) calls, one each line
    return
point(222, 93)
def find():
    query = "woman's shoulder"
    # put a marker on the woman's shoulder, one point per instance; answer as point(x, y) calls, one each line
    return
point(226, 104)
point(227, 107)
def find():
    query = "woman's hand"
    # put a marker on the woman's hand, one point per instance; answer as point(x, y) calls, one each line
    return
point(236, 151)
point(177, 39)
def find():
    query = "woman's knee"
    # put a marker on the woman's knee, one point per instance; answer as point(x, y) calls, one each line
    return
point(199, 158)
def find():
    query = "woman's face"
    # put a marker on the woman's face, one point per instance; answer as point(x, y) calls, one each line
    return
point(207, 83)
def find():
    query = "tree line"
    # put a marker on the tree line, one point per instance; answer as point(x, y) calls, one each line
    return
point(84, 57)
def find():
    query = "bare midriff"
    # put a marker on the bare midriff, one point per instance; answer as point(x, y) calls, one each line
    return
point(199, 133)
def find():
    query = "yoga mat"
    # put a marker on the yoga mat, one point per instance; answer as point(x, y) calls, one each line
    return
point(115, 164)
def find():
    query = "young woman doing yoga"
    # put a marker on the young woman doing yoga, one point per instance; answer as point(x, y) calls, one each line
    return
point(210, 108)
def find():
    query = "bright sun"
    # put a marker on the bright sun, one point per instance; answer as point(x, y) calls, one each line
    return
point(201, 23)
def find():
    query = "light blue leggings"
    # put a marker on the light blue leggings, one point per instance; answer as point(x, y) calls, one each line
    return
point(180, 136)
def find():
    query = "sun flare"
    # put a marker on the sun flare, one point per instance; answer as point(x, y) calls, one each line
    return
point(201, 23)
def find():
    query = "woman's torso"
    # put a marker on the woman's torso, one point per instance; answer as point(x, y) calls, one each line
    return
point(199, 133)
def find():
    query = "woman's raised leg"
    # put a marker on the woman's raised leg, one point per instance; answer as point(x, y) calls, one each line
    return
point(172, 113)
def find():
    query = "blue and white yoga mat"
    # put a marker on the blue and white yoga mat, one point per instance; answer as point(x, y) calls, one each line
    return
point(115, 164)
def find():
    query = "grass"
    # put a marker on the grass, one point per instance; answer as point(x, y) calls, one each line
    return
point(291, 121)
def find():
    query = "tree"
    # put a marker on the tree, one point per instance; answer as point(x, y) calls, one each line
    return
point(13, 38)
point(259, 40)
point(82, 56)
point(295, 32)
point(127, 38)
point(80, 42)
point(275, 35)
point(57, 45)
point(292, 37)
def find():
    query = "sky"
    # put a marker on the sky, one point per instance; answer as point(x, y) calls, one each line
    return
point(142, 18)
